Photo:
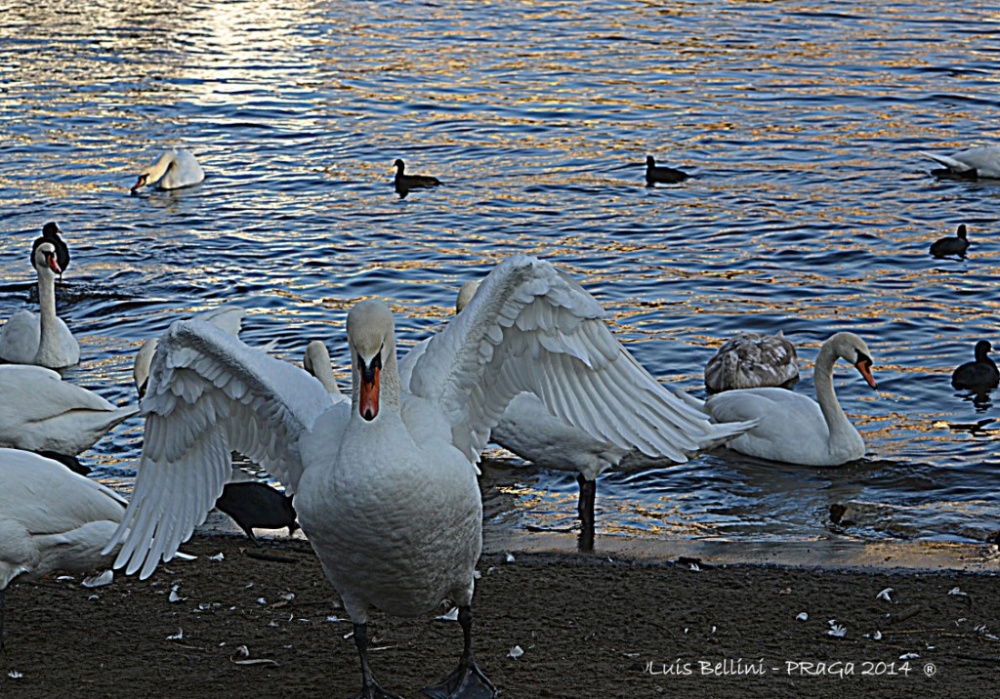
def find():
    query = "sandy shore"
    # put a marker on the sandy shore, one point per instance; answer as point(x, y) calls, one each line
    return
point(265, 623)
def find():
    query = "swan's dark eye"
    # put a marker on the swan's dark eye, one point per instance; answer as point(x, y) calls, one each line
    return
point(864, 359)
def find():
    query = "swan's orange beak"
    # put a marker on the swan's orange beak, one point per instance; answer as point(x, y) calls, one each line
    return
point(50, 260)
point(864, 367)
point(368, 403)
point(138, 185)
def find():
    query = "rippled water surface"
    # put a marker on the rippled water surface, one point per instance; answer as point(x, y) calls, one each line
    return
point(810, 209)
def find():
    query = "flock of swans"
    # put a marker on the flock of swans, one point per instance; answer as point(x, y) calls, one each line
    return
point(384, 478)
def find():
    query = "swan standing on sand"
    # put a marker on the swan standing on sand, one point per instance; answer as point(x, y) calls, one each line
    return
point(41, 412)
point(796, 429)
point(172, 170)
point(752, 360)
point(972, 164)
point(51, 519)
point(386, 487)
point(42, 339)
point(528, 429)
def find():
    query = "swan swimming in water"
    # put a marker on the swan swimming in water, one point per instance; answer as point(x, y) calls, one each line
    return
point(172, 170)
point(385, 487)
point(42, 339)
point(794, 428)
point(51, 519)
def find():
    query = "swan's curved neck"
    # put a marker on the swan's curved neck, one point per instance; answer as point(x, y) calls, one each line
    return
point(834, 415)
point(160, 167)
point(324, 372)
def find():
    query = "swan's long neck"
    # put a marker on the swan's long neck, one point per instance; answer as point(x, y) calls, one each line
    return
point(156, 172)
point(834, 415)
point(317, 363)
point(48, 320)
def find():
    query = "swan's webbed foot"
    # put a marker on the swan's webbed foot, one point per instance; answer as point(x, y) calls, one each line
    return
point(463, 683)
point(466, 681)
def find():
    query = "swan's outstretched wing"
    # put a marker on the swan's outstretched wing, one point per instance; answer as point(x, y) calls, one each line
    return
point(209, 394)
point(532, 328)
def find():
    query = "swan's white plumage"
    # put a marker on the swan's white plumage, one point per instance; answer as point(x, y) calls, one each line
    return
point(386, 488)
point(209, 394)
point(794, 428)
point(530, 328)
point(530, 430)
point(51, 518)
point(174, 169)
point(229, 318)
point(43, 339)
point(980, 162)
point(41, 412)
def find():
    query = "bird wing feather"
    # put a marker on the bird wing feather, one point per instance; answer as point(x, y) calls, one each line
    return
point(533, 328)
point(209, 394)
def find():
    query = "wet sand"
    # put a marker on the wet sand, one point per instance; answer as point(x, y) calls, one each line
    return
point(263, 622)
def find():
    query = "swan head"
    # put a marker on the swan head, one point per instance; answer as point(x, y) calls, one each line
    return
point(465, 294)
point(44, 258)
point(854, 350)
point(155, 172)
point(371, 338)
point(143, 178)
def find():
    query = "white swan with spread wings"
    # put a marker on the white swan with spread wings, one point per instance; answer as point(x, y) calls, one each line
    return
point(385, 487)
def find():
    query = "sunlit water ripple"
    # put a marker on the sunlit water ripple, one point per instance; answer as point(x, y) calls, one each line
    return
point(810, 209)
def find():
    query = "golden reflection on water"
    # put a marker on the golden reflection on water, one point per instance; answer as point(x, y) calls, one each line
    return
point(809, 209)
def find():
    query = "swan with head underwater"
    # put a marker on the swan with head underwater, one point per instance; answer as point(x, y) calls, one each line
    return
point(794, 428)
point(533, 432)
point(386, 486)
point(174, 169)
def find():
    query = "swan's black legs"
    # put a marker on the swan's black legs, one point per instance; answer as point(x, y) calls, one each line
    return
point(585, 508)
point(370, 688)
point(466, 681)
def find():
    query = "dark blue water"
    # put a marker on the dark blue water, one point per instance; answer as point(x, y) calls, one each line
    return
point(810, 209)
